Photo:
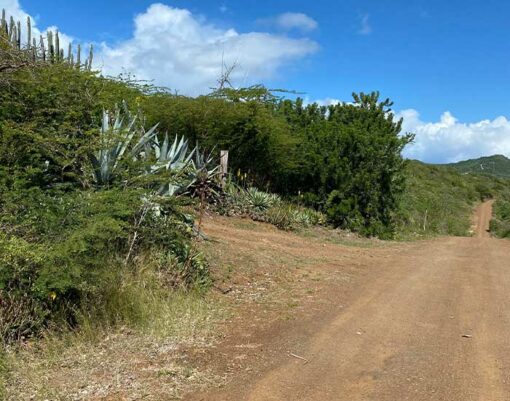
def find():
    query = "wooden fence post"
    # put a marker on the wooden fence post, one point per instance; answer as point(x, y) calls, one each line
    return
point(223, 167)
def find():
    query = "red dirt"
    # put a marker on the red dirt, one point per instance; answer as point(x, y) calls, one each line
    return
point(420, 321)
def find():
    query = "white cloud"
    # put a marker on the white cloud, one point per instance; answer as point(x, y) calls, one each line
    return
point(449, 140)
point(366, 28)
point(174, 48)
point(13, 8)
point(181, 51)
point(288, 21)
point(328, 101)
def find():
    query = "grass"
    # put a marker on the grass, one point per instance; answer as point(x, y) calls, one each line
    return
point(143, 298)
point(141, 323)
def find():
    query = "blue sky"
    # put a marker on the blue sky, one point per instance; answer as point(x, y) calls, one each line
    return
point(446, 64)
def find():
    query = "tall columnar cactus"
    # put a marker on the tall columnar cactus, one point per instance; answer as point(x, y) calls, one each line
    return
point(48, 50)
point(29, 31)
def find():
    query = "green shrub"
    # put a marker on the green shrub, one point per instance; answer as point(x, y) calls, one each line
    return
point(484, 190)
point(344, 212)
point(60, 263)
point(500, 223)
point(282, 217)
point(266, 207)
point(291, 217)
point(259, 201)
point(23, 310)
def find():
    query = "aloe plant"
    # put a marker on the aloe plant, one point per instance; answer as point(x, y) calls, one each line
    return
point(120, 138)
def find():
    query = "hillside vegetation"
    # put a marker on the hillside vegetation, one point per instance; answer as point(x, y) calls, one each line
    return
point(496, 166)
point(439, 199)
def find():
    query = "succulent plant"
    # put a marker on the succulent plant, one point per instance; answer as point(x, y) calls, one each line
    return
point(260, 200)
point(176, 159)
point(120, 137)
point(23, 52)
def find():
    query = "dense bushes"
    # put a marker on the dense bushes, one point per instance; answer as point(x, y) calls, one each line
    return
point(65, 233)
point(58, 248)
point(259, 140)
point(500, 224)
point(306, 151)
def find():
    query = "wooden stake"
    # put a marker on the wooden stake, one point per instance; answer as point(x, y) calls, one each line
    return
point(223, 167)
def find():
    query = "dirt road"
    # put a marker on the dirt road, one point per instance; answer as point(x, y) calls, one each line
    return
point(429, 323)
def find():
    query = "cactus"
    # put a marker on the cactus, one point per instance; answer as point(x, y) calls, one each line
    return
point(49, 49)
point(18, 35)
point(78, 56)
point(57, 46)
point(29, 31)
point(12, 27)
point(91, 56)
point(43, 49)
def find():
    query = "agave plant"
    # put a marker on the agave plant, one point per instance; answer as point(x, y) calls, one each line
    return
point(259, 200)
point(203, 176)
point(202, 166)
point(190, 167)
point(176, 159)
point(120, 138)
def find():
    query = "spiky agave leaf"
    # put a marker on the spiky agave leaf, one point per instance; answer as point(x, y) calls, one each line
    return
point(204, 174)
point(177, 160)
point(116, 140)
point(260, 200)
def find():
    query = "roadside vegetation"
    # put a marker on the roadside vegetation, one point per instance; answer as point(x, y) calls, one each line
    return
point(500, 224)
point(104, 183)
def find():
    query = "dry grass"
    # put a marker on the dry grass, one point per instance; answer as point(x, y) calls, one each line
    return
point(143, 361)
point(123, 365)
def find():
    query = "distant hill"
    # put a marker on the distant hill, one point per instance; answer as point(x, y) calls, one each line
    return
point(439, 198)
point(497, 166)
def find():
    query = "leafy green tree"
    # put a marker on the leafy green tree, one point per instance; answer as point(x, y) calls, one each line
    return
point(351, 160)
